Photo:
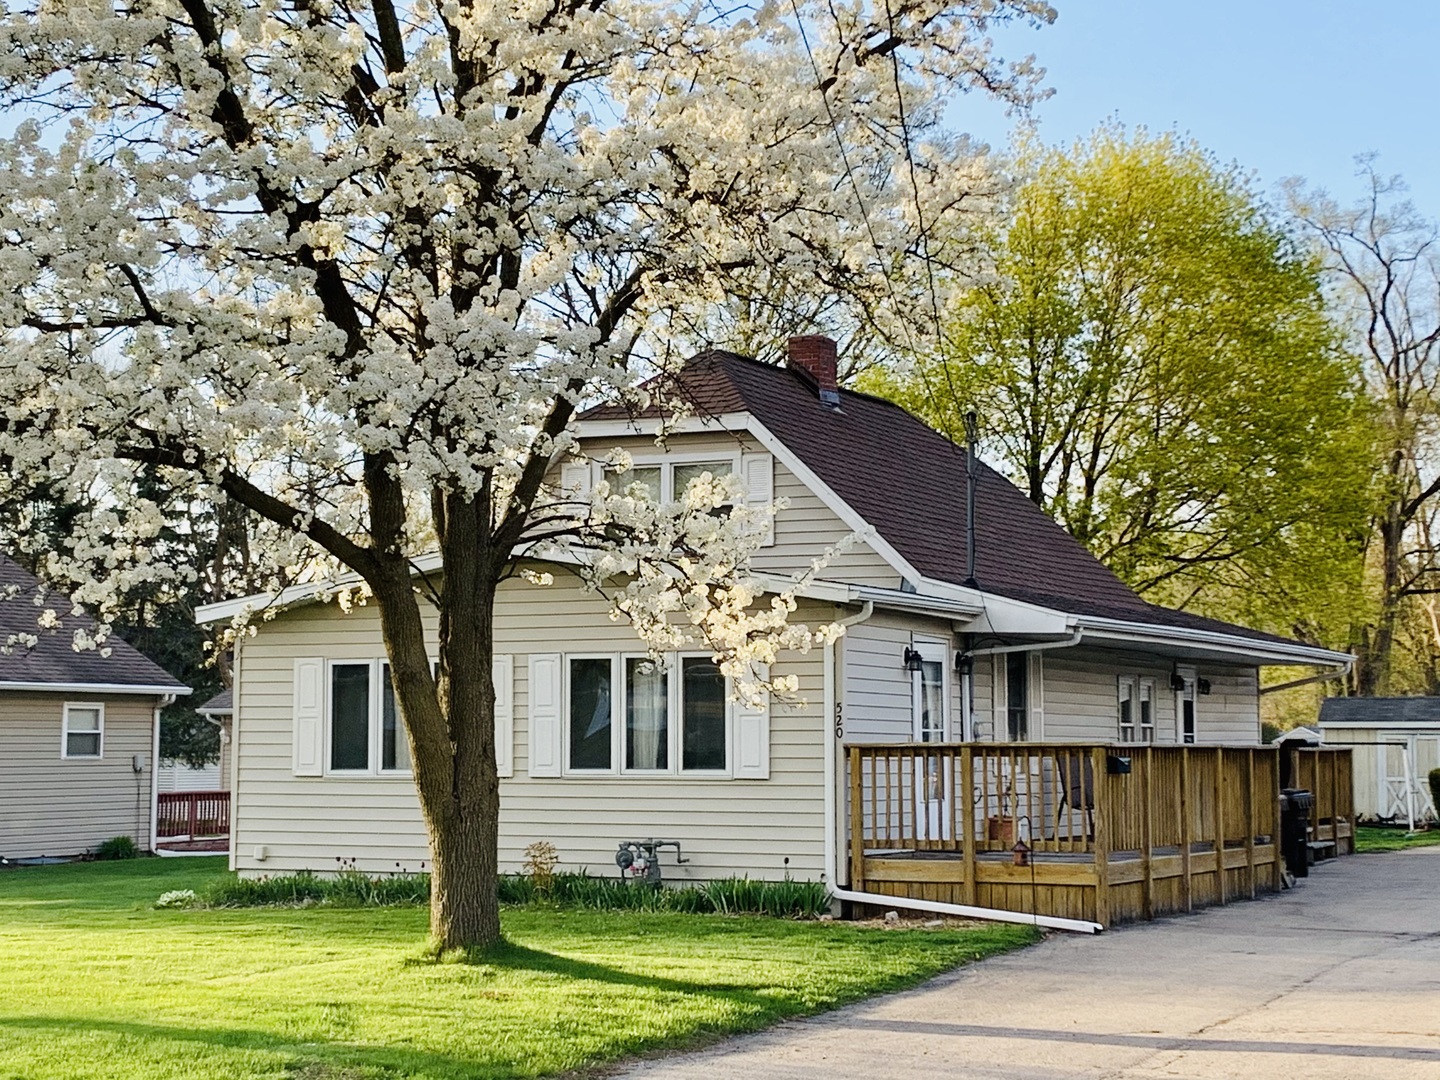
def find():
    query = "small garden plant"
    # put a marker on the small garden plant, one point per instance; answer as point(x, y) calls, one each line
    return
point(117, 847)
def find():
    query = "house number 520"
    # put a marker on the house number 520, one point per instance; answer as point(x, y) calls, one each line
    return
point(839, 721)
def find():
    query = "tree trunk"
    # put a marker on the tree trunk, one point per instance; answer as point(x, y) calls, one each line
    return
point(449, 719)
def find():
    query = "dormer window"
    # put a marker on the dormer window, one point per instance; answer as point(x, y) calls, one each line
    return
point(665, 481)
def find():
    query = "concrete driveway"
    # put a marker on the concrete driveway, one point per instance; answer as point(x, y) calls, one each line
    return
point(1339, 978)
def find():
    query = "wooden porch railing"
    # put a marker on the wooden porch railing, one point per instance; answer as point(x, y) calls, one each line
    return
point(192, 814)
point(1120, 831)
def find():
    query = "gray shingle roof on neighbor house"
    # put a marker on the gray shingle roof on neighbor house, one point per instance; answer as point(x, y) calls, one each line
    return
point(53, 660)
point(908, 482)
point(1401, 711)
point(222, 704)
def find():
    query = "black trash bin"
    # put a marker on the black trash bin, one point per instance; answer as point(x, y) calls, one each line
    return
point(1296, 805)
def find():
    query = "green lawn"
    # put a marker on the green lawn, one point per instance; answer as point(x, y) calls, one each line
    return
point(94, 982)
point(1370, 838)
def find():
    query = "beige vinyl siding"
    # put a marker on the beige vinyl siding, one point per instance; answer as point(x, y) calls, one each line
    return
point(762, 828)
point(1230, 713)
point(804, 531)
point(1372, 762)
point(1082, 695)
point(51, 805)
point(877, 695)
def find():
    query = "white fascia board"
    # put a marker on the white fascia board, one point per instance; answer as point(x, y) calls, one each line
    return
point(96, 688)
point(922, 603)
point(1400, 727)
point(652, 425)
point(1269, 652)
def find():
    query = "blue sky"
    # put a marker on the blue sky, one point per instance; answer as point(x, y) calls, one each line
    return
point(1283, 87)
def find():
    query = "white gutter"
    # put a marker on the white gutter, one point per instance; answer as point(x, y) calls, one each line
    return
point(1325, 676)
point(164, 700)
point(1144, 633)
point(965, 911)
point(170, 692)
point(1031, 646)
point(832, 738)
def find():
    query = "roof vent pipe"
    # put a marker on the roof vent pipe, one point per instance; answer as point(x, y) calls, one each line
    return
point(971, 428)
point(815, 355)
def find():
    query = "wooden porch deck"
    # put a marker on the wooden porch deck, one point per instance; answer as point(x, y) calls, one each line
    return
point(1184, 828)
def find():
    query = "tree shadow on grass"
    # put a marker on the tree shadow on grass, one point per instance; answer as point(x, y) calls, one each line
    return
point(508, 956)
point(305, 1060)
point(333, 1059)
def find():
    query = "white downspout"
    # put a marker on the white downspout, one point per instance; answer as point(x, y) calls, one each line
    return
point(1031, 646)
point(832, 738)
point(160, 703)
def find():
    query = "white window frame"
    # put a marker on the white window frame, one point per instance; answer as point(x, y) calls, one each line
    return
point(1142, 734)
point(1190, 677)
point(680, 770)
point(620, 706)
point(932, 650)
point(674, 720)
point(667, 462)
point(99, 708)
point(617, 713)
point(374, 721)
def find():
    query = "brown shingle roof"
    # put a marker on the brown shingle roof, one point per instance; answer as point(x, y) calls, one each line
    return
point(908, 482)
point(53, 658)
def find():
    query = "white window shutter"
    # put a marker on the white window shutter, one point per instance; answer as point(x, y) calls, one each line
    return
point(503, 674)
point(308, 716)
point(757, 473)
point(1037, 696)
point(545, 726)
point(752, 739)
point(999, 690)
point(576, 479)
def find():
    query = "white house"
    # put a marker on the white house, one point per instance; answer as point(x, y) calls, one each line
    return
point(1033, 640)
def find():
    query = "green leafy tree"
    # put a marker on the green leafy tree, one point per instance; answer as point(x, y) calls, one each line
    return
point(1382, 262)
point(1154, 366)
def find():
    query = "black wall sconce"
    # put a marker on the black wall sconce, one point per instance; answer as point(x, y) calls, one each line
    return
point(912, 659)
point(1203, 685)
point(1177, 682)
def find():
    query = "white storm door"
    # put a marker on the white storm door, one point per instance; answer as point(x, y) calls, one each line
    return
point(930, 696)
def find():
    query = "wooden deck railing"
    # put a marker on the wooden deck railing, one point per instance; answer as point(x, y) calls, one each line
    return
point(1146, 828)
point(192, 814)
point(1328, 772)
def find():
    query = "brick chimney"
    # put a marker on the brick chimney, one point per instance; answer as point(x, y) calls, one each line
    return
point(815, 355)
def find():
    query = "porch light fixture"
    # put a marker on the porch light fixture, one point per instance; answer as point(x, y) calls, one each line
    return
point(1177, 681)
point(912, 659)
point(1202, 685)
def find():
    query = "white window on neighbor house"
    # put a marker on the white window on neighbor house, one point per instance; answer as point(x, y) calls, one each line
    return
point(643, 715)
point(366, 734)
point(1137, 709)
point(83, 730)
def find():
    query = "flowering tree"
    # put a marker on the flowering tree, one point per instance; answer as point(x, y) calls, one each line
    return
point(355, 266)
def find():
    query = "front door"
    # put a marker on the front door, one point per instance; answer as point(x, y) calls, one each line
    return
point(929, 690)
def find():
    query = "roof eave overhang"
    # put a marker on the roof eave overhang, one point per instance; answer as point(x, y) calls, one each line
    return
point(1119, 632)
point(95, 688)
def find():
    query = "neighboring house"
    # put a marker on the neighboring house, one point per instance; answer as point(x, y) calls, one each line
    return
point(1036, 641)
point(176, 776)
point(1395, 742)
point(78, 730)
